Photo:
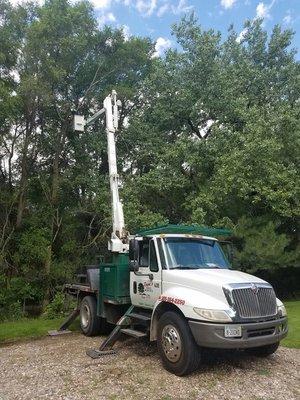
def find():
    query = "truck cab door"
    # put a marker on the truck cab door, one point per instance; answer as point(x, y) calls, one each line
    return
point(145, 285)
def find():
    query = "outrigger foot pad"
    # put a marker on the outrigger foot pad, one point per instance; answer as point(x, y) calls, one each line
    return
point(58, 332)
point(98, 353)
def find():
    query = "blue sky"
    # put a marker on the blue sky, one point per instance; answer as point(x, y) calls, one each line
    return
point(154, 17)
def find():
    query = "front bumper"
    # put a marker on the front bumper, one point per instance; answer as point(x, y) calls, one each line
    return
point(253, 334)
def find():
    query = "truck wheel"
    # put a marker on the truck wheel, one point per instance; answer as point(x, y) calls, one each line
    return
point(263, 351)
point(176, 345)
point(90, 323)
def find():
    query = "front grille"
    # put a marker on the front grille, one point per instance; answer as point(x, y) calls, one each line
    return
point(255, 304)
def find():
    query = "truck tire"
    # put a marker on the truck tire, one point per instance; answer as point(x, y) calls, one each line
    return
point(177, 348)
point(263, 351)
point(90, 323)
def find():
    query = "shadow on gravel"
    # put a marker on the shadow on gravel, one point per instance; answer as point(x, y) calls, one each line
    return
point(213, 360)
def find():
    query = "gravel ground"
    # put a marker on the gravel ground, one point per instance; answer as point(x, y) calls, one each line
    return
point(58, 368)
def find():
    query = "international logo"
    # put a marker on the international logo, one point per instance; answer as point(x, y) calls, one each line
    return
point(254, 288)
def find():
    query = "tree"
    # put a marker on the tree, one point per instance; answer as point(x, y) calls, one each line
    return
point(209, 134)
point(217, 136)
point(63, 63)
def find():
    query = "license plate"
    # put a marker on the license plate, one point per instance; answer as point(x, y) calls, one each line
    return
point(233, 331)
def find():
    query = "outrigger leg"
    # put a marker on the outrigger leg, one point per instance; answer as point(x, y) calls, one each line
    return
point(67, 322)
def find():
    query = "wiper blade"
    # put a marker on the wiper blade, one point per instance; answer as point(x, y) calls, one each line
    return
point(185, 267)
point(198, 266)
point(211, 265)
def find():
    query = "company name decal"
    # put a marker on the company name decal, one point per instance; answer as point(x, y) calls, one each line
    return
point(173, 300)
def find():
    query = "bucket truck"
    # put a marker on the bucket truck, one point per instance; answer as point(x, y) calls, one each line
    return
point(174, 285)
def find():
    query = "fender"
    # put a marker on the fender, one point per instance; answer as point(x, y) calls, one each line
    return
point(182, 300)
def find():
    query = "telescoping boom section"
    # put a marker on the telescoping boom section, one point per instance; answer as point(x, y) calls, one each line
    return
point(119, 237)
point(119, 234)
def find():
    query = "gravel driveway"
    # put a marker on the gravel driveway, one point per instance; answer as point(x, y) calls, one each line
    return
point(57, 368)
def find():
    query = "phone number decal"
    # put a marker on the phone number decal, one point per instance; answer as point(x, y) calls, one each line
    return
point(173, 300)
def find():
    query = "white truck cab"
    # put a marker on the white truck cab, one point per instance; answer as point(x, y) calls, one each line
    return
point(187, 277)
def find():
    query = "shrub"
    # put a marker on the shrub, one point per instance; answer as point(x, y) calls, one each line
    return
point(56, 308)
point(11, 312)
point(284, 280)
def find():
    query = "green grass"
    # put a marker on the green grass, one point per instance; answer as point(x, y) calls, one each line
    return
point(293, 337)
point(28, 328)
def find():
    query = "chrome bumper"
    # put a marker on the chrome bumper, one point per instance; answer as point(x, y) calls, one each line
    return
point(253, 334)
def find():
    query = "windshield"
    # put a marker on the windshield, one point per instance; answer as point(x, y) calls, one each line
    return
point(189, 253)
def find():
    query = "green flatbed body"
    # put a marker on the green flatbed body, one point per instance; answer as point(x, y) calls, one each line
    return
point(114, 282)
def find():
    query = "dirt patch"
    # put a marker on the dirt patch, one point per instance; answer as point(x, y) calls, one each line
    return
point(58, 368)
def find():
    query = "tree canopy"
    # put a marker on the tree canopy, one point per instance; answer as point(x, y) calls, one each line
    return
point(209, 134)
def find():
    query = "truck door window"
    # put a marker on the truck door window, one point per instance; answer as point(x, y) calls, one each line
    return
point(153, 258)
point(144, 251)
point(161, 254)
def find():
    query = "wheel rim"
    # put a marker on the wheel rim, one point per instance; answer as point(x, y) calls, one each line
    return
point(85, 316)
point(171, 343)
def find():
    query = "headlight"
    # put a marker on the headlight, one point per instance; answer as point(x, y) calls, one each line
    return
point(281, 311)
point(213, 315)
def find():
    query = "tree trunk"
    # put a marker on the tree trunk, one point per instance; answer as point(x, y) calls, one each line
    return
point(24, 170)
point(55, 224)
point(47, 275)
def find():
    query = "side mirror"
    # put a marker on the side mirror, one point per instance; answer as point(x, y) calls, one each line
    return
point(134, 253)
point(133, 266)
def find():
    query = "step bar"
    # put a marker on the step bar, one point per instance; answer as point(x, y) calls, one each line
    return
point(133, 333)
point(122, 327)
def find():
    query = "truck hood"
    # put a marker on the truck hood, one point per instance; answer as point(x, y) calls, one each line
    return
point(206, 281)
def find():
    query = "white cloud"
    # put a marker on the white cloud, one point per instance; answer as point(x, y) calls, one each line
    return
point(227, 3)
point(101, 4)
point(182, 7)
point(109, 42)
point(126, 3)
point(241, 35)
point(146, 7)
point(205, 130)
point(163, 9)
point(15, 75)
point(126, 32)
point(263, 10)
point(98, 4)
point(17, 2)
point(287, 20)
point(106, 18)
point(161, 45)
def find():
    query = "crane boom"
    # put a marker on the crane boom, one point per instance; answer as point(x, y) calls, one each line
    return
point(119, 234)
point(119, 237)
